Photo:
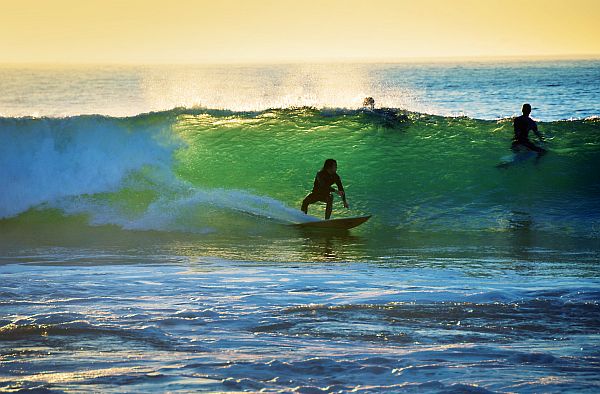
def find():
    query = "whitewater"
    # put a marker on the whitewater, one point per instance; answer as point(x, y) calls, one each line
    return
point(145, 238)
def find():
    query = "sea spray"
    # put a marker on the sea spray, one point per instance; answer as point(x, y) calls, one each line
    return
point(45, 159)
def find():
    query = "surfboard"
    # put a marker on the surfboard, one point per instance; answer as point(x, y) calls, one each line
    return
point(516, 158)
point(340, 224)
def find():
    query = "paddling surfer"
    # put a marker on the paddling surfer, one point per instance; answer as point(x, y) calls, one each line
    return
point(322, 189)
point(522, 125)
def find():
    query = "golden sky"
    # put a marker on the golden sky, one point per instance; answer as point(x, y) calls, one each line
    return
point(188, 31)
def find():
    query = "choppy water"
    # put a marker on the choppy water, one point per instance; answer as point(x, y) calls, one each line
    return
point(153, 252)
point(410, 326)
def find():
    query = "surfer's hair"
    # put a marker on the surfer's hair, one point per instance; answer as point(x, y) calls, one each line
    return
point(329, 163)
point(526, 109)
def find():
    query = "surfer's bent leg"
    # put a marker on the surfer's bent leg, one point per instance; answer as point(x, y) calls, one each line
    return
point(310, 199)
point(313, 198)
point(329, 206)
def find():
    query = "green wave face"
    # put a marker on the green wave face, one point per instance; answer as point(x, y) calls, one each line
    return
point(231, 181)
point(409, 171)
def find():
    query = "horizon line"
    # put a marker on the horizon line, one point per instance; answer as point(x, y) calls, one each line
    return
point(345, 60)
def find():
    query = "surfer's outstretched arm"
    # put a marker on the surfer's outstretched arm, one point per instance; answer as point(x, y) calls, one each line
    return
point(345, 202)
point(342, 194)
point(341, 191)
point(532, 125)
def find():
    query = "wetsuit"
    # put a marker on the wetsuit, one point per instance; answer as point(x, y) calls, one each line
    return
point(522, 125)
point(322, 191)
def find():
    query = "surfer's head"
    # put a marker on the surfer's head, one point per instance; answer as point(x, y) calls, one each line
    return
point(526, 109)
point(330, 166)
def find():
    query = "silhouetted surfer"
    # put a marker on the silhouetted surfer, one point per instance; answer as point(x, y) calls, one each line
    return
point(322, 189)
point(523, 124)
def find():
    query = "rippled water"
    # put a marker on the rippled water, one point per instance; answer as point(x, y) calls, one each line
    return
point(153, 253)
point(422, 324)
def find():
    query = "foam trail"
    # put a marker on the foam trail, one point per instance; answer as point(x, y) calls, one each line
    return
point(183, 208)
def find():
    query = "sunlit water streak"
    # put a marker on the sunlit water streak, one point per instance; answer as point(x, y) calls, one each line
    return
point(220, 326)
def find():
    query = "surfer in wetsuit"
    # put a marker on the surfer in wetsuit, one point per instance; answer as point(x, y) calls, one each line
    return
point(322, 189)
point(523, 124)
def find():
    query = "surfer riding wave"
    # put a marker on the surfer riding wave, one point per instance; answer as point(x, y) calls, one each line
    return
point(322, 189)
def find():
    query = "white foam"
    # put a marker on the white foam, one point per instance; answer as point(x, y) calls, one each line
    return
point(66, 163)
point(181, 207)
point(43, 160)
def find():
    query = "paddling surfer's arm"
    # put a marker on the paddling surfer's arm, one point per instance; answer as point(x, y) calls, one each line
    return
point(534, 128)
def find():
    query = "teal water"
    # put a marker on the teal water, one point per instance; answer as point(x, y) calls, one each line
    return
point(232, 174)
point(153, 252)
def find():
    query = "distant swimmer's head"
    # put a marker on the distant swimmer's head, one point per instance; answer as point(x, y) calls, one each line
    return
point(330, 166)
point(526, 109)
point(369, 102)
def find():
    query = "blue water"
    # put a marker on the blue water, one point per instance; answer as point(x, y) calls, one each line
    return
point(152, 253)
point(415, 325)
point(483, 90)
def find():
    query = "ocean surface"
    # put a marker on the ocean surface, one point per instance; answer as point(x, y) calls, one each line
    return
point(146, 246)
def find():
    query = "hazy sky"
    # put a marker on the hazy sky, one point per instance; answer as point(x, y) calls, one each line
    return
point(187, 31)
